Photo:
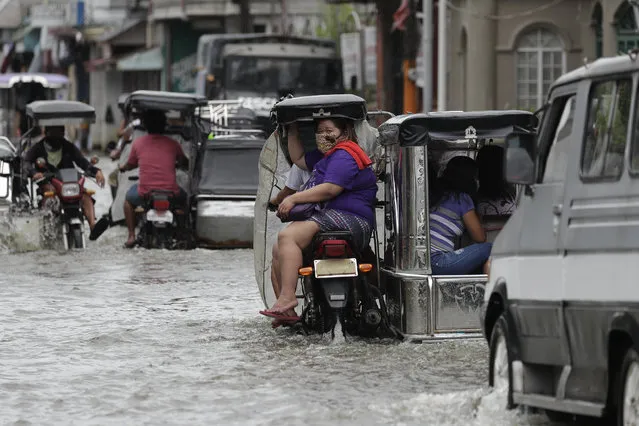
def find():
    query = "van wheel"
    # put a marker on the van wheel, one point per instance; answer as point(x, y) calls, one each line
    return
point(500, 375)
point(628, 392)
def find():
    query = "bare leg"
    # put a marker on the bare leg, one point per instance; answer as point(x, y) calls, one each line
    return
point(291, 241)
point(129, 215)
point(275, 271)
point(487, 267)
point(88, 209)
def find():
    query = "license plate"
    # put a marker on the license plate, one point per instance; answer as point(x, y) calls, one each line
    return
point(156, 216)
point(335, 268)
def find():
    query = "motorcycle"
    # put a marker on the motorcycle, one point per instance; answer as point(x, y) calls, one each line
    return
point(63, 205)
point(339, 286)
point(162, 222)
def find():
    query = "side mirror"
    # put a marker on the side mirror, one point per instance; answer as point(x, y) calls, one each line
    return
point(94, 160)
point(41, 163)
point(519, 163)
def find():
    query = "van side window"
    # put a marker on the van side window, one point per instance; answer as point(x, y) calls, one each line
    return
point(634, 144)
point(555, 170)
point(606, 131)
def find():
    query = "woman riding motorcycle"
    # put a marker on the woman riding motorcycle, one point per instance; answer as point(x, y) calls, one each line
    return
point(342, 179)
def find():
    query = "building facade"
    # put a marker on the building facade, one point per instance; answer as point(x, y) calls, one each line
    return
point(506, 53)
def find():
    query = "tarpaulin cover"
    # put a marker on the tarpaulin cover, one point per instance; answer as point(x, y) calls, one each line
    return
point(419, 129)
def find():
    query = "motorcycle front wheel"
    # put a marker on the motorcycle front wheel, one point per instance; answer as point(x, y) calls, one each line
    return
point(74, 237)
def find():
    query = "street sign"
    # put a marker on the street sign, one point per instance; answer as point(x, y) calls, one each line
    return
point(350, 47)
point(370, 55)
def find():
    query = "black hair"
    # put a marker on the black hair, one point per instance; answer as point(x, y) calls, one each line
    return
point(490, 161)
point(154, 121)
point(458, 178)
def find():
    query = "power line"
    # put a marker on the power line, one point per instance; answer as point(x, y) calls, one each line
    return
point(505, 17)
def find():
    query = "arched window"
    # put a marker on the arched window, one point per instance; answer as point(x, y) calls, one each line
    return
point(540, 59)
point(627, 37)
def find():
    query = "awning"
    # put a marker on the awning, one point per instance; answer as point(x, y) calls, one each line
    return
point(114, 33)
point(10, 15)
point(147, 60)
point(96, 64)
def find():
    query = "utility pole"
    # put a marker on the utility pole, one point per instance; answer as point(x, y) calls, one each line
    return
point(284, 20)
point(427, 52)
point(442, 53)
point(245, 15)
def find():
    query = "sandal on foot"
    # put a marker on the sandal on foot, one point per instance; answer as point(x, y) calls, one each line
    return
point(281, 317)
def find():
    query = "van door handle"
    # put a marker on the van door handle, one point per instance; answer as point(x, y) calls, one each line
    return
point(557, 209)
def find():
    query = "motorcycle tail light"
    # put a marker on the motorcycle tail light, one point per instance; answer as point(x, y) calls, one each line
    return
point(335, 250)
point(70, 190)
point(49, 194)
point(161, 205)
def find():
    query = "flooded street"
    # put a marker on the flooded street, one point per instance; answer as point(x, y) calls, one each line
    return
point(114, 336)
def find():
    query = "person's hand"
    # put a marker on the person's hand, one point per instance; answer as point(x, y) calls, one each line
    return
point(115, 154)
point(285, 207)
point(99, 178)
point(37, 176)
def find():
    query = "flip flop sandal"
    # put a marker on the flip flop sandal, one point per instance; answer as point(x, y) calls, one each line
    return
point(283, 318)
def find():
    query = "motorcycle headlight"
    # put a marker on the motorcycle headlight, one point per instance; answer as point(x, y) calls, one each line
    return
point(70, 190)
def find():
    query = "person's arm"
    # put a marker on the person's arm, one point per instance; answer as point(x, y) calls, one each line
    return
point(295, 147)
point(122, 128)
point(317, 194)
point(29, 160)
point(341, 170)
point(132, 162)
point(473, 226)
point(285, 192)
point(81, 161)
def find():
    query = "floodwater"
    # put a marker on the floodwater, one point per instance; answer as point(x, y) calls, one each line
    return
point(113, 336)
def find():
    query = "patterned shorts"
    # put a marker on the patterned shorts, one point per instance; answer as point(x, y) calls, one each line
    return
point(335, 220)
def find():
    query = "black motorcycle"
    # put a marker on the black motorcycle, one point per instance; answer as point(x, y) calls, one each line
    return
point(162, 222)
point(339, 287)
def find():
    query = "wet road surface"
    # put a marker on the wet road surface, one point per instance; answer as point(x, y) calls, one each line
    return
point(109, 336)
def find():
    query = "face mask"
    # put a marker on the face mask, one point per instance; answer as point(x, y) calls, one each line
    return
point(53, 144)
point(325, 142)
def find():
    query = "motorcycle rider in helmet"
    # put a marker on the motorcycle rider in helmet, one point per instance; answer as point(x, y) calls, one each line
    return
point(59, 153)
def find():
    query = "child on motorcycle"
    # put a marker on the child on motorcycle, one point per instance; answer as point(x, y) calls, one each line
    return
point(59, 153)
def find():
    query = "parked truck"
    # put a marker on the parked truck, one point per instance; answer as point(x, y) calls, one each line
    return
point(258, 69)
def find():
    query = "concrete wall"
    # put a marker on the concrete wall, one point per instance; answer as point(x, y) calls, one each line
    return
point(483, 61)
point(106, 87)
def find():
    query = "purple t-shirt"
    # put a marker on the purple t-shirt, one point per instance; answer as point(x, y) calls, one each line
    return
point(340, 168)
point(446, 222)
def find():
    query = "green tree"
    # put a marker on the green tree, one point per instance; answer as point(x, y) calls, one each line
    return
point(336, 19)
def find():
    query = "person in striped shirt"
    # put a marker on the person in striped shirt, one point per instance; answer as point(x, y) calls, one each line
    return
point(453, 212)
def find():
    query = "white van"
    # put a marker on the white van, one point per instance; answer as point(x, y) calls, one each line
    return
point(561, 308)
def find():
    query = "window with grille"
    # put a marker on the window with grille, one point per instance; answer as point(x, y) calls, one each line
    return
point(540, 59)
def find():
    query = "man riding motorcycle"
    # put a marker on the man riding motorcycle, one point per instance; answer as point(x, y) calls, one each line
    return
point(157, 156)
point(59, 153)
